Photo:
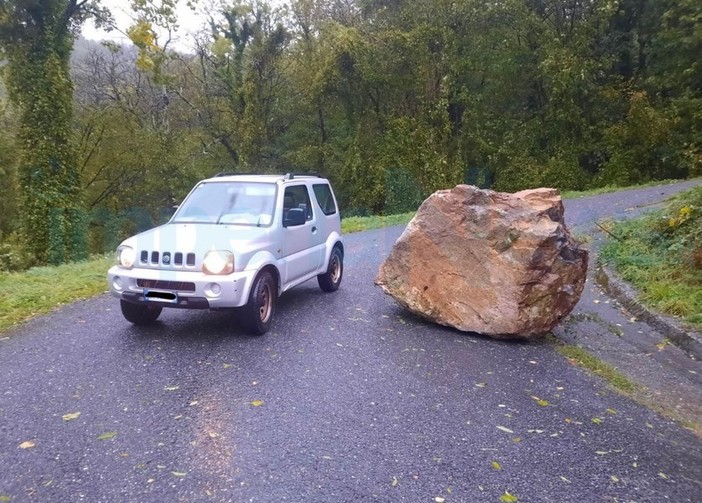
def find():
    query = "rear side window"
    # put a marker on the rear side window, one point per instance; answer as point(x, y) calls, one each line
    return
point(323, 193)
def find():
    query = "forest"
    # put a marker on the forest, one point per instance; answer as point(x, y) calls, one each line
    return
point(390, 99)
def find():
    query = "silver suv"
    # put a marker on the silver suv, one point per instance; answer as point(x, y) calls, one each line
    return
point(235, 241)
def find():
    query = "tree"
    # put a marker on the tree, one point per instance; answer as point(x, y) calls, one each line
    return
point(36, 38)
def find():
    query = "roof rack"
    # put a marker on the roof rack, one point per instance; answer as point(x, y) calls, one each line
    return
point(292, 176)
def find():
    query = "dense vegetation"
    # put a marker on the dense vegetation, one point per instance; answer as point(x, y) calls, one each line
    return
point(391, 99)
point(661, 255)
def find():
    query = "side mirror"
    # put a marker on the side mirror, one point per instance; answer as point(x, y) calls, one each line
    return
point(295, 216)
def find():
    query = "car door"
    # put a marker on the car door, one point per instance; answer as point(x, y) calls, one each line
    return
point(303, 245)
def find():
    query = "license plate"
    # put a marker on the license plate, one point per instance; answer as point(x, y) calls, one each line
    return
point(160, 296)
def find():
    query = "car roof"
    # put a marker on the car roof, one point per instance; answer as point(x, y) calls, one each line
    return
point(252, 177)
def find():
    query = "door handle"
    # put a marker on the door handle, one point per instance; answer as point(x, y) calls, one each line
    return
point(314, 229)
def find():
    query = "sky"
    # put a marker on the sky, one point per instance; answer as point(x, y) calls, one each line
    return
point(189, 22)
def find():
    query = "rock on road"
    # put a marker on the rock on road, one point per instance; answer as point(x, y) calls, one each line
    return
point(347, 399)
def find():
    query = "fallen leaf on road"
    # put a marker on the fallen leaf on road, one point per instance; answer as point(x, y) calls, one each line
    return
point(171, 388)
point(508, 498)
point(27, 445)
point(257, 403)
point(506, 430)
point(496, 465)
point(71, 416)
point(107, 435)
point(540, 401)
point(179, 474)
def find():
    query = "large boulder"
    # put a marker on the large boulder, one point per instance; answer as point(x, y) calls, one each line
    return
point(481, 261)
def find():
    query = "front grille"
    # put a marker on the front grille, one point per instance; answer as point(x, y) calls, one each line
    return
point(168, 259)
point(180, 286)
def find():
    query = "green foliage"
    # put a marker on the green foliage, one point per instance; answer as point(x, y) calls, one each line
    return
point(37, 41)
point(14, 255)
point(8, 169)
point(661, 254)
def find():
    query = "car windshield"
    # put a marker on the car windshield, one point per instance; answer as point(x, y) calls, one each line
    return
point(241, 203)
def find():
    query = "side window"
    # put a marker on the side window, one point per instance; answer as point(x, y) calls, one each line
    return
point(297, 196)
point(323, 193)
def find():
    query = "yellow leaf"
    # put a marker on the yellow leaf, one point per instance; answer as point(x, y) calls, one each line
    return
point(508, 498)
point(614, 478)
point(257, 403)
point(27, 445)
point(662, 475)
point(71, 416)
point(107, 435)
point(596, 420)
point(496, 465)
point(179, 474)
point(611, 411)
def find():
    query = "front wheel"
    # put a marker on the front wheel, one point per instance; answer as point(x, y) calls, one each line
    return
point(330, 280)
point(140, 314)
point(258, 313)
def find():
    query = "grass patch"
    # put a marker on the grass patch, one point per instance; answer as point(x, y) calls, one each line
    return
point(660, 254)
point(357, 224)
point(585, 360)
point(39, 290)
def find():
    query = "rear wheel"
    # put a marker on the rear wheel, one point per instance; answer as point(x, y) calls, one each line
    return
point(258, 313)
point(330, 280)
point(140, 314)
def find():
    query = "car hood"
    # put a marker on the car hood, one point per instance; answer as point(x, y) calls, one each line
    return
point(198, 238)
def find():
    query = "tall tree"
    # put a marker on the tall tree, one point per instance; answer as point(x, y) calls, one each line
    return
point(36, 37)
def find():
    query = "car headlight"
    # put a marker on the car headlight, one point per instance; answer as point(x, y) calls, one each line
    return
point(218, 262)
point(125, 257)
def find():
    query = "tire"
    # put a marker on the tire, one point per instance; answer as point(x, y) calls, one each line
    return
point(330, 280)
point(259, 311)
point(140, 314)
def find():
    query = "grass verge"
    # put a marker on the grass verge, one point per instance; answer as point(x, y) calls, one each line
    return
point(357, 224)
point(660, 254)
point(41, 289)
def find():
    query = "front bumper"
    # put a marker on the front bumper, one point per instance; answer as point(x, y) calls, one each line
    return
point(180, 289)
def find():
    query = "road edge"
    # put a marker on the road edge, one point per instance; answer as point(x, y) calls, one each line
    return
point(682, 336)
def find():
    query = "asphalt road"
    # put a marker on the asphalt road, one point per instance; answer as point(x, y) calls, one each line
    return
point(347, 399)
